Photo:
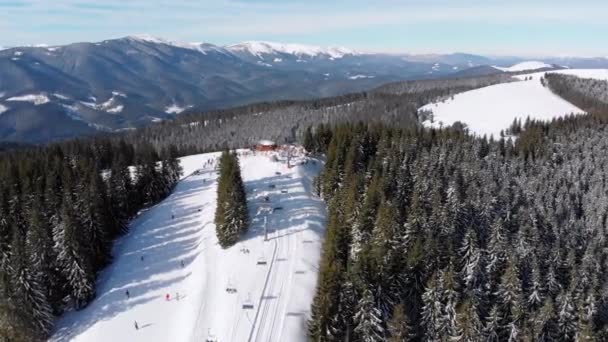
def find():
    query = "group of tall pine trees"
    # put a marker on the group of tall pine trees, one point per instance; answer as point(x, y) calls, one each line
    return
point(435, 235)
point(61, 207)
point(231, 216)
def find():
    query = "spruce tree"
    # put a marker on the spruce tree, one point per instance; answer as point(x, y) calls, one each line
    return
point(231, 217)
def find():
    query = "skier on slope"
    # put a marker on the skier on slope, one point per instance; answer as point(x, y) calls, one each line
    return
point(168, 297)
point(136, 326)
point(128, 294)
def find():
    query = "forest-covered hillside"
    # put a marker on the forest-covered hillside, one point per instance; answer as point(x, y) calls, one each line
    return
point(434, 235)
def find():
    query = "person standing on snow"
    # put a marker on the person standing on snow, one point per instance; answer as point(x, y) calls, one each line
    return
point(168, 297)
point(136, 326)
point(127, 294)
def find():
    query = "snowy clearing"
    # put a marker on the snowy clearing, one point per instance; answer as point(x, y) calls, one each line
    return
point(491, 109)
point(530, 65)
point(36, 99)
point(274, 280)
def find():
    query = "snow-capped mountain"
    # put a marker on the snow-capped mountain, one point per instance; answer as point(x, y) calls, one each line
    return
point(260, 49)
point(158, 79)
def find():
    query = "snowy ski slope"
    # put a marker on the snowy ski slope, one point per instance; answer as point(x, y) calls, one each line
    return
point(491, 109)
point(274, 279)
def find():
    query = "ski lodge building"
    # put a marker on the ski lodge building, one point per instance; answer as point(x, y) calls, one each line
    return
point(265, 145)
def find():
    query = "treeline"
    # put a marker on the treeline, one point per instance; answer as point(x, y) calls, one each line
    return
point(434, 235)
point(231, 216)
point(588, 94)
point(286, 121)
point(61, 207)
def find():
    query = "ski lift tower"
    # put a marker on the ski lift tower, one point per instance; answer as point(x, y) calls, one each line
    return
point(265, 209)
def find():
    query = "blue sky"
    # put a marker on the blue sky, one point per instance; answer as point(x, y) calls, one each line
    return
point(510, 27)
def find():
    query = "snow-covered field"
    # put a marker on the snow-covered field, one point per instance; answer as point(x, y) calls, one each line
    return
point(273, 279)
point(491, 109)
point(529, 65)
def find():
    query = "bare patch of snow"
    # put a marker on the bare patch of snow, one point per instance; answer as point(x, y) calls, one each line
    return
point(116, 109)
point(117, 93)
point(356, 77)
point(278, 60)
point(18, 53)
point(36, 99)
point(264, 64)
point(3, 108)
point(175, 109)
point(60, 96)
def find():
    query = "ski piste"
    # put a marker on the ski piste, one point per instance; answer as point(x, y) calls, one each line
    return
point(260, 289)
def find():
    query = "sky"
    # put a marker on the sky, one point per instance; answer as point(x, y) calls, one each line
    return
point(509, 27)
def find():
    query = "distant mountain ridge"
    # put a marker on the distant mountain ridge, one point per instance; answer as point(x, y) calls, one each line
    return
point(57, 92)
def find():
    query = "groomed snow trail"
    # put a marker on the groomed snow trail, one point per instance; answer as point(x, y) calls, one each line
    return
point(272, 281)
point(276, 279)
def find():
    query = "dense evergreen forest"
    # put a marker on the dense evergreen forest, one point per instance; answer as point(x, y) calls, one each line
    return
point(285, 121)
point(231, 217)
point(487, 225)
point(61, 207)
point(435, 235)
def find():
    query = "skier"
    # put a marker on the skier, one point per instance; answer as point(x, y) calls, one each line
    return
point(136, 326)
point(177, 296)
point(182, 262)
point(172, 217)
point(168, 297)
point(128, 294)
point(142, 258)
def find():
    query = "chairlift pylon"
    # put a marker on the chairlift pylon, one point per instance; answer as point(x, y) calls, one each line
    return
point(248, 303)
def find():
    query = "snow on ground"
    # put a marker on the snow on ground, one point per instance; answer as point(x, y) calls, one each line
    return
point(530, 65)
point(356, 77)
point(3, 108)
point(200, 307)
point(491, 109)
point(36, 99)
point(175, 109)
point(115, 110)
point(600, 74)
point(61, 96)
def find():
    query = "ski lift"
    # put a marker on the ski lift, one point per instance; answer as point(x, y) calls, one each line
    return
point(272, 186)
point(277, 173)
point(248, 303)
point(262, 261)
point(283, 191)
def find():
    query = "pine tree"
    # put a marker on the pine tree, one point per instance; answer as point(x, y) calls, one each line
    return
point(432, 310)
point(368, 322)
point(468, 326)
point(73, 258)
point(398, 326)
point(231, 218)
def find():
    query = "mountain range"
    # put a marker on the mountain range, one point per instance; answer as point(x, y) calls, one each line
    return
point(57, 92)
